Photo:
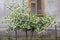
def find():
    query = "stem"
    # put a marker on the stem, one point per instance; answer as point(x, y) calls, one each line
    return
point(16, 34)
point(32, 34)
point(9, 36)
point(56, 31)
point(26, 35)
point(41, 38)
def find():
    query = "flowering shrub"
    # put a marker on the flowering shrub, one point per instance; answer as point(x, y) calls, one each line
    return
point(19, 19)
point(44, 22)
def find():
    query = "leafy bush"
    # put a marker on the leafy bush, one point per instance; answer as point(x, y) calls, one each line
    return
point(20, 19)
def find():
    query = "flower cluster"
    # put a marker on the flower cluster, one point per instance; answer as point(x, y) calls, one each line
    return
point(21, 20)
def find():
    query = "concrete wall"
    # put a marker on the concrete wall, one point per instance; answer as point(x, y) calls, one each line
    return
point(52, 7)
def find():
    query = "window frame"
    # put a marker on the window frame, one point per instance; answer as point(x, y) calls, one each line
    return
point(42, 7)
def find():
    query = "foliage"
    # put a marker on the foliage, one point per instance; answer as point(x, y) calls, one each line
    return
point(19, 19)
point(44, 22)
point(19, 16)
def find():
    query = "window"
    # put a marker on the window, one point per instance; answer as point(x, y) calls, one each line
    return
point(36, 7)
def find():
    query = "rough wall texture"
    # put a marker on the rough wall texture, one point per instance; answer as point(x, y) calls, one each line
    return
point(52, 7)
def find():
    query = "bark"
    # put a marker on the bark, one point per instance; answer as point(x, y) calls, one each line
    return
point(56, 31)
point(16, 34)
point(26, 35)
point(9, 36)
point(32, 35)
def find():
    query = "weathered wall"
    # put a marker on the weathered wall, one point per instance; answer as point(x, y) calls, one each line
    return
point(52, 7)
